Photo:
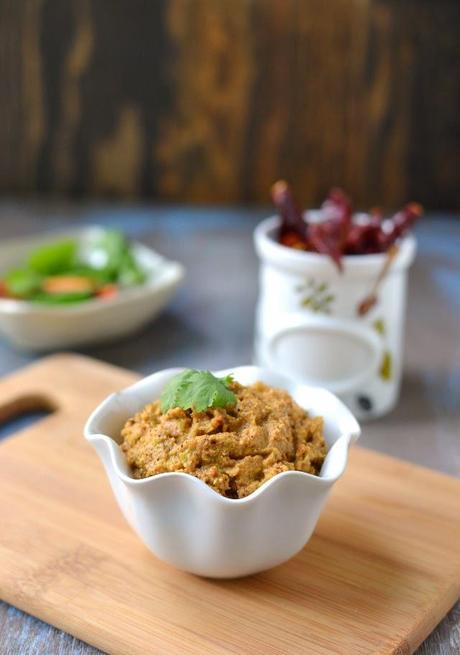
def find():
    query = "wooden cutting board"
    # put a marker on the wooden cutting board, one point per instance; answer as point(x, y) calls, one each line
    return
point(380, 572)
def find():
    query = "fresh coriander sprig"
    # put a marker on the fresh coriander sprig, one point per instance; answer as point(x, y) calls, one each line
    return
point(198, 390)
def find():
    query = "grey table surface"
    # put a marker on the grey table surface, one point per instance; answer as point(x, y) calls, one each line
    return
point(210, 324)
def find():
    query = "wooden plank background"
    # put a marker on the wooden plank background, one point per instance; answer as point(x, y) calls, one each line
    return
point(211, 100)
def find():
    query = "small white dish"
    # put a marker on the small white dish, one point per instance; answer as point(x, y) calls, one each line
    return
point(185, 523)
point(37, 327)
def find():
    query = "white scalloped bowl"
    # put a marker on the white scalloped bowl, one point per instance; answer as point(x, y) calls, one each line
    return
point(185, 523)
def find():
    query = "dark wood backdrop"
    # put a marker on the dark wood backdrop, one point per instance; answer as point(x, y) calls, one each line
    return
point(212, 100)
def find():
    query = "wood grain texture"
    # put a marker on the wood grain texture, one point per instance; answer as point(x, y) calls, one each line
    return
point(381, 569)
point(424, 427)
point(212, 100)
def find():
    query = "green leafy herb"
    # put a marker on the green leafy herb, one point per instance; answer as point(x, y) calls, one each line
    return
point(117, 260)
point(99, 277)
point(110, 248)
point(130, 273)
point(61, 298)
point(22, 283)
point(107, 260)
point(53, 258)
point(199, 390)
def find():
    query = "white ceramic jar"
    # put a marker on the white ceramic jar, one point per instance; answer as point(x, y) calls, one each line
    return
point(308, 326)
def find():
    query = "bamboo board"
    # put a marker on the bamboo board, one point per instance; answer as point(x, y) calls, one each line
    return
point(380, 572)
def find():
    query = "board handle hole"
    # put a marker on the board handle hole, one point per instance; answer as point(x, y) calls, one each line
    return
point(22, 412)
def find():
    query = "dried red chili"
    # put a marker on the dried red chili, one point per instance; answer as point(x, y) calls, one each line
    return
point(293, 229)
point(402, 222)
point(330, 233)
point(335, 231)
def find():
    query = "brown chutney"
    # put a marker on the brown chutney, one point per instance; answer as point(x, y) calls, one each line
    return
point(233, 450)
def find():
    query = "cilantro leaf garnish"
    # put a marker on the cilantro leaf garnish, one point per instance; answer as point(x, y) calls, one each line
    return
point(198, 390)
point(174, 390)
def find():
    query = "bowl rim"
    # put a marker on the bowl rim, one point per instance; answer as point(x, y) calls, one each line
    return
point(171, 274)
point(346, 438)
